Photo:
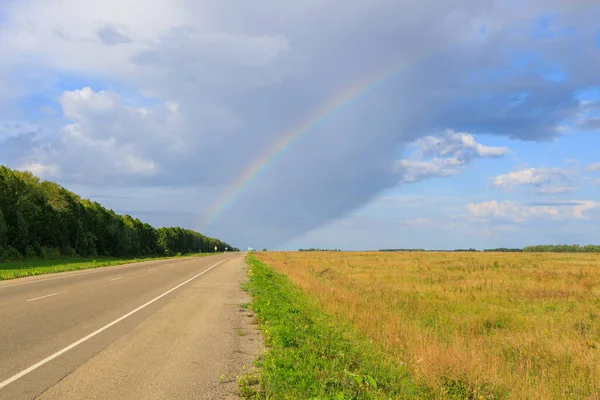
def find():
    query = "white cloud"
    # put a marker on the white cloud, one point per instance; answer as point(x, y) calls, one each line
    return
point(458, 145)
point(78, 104)
point(41, 170)
point(542, 180)
point(594, 167)
point(106, 140)
point(451, 152)
point(136, 165)
point(68, 35)
point(588, 123)
point(416, 170)
point(14, 129)
point(521, 212)
point(555, 189)
point(112, 36)
point(530, 176)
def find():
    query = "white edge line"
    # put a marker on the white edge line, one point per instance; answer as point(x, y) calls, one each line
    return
point(116, 279)
point(96, 332)
point(43, 297)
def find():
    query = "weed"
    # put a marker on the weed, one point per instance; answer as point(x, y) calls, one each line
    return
point(249, 386)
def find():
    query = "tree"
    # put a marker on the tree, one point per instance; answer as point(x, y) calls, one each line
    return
point(43, 218)
point(3, 231)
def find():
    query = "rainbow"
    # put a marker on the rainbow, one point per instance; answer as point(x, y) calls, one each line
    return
point(316, 118)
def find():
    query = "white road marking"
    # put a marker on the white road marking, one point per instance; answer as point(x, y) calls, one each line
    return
point(43, 297)
point(98, 331)
point(116, 279)
point(153, 269)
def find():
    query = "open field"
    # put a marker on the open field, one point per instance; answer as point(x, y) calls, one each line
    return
point(468, 325)
point(20, 269)
point(310, 354)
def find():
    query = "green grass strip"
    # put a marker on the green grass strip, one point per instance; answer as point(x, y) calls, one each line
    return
point(310, 355)
point(20, 269)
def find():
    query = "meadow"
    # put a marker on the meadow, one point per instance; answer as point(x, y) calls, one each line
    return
point(466, 325)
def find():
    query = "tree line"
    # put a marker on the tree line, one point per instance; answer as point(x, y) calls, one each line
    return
point(505, 250)
point(311, 249)
point(564, 248)
point(405, 250)
point(561, 248)
point(43, 219)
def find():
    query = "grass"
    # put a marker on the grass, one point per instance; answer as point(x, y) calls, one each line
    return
point(311, 355)
point(467, 325)
point(20, 269)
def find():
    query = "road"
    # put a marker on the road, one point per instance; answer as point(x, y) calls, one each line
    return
point(152, 330)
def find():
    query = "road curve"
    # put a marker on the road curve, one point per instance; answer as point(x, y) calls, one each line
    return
point(160, 329)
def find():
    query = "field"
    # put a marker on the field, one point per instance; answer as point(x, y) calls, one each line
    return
point(20, 269)
point(311, 355)
point(467, 325)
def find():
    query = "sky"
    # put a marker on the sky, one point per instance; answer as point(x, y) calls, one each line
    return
point(285, 125)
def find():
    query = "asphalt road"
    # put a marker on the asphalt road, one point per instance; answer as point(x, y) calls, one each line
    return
point(160, 329)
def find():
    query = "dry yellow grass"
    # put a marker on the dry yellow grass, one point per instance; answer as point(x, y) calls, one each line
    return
point(522, 325)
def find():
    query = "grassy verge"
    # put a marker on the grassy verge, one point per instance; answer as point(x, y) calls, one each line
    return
point(20, 269)
point(312, 356)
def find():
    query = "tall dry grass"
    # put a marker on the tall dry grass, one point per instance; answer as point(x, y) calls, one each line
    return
point(487, 325)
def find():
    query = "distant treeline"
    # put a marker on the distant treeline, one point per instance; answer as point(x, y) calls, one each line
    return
point(402, 250)
point(43, 219)
point(560, 248)
point(311, 249)
point(505, 250)
point(564, 248)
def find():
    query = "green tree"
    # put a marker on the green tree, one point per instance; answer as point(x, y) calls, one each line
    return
point(3, 231)
point(45, 219)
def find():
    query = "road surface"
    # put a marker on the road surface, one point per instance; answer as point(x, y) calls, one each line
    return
point(153, 330)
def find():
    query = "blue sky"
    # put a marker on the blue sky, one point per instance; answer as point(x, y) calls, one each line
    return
point(431, 214)
point(486, 137)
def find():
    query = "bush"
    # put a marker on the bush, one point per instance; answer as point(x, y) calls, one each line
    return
point(69, 252)
point(10, 254)
point(50, 253)
point(30, 252)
